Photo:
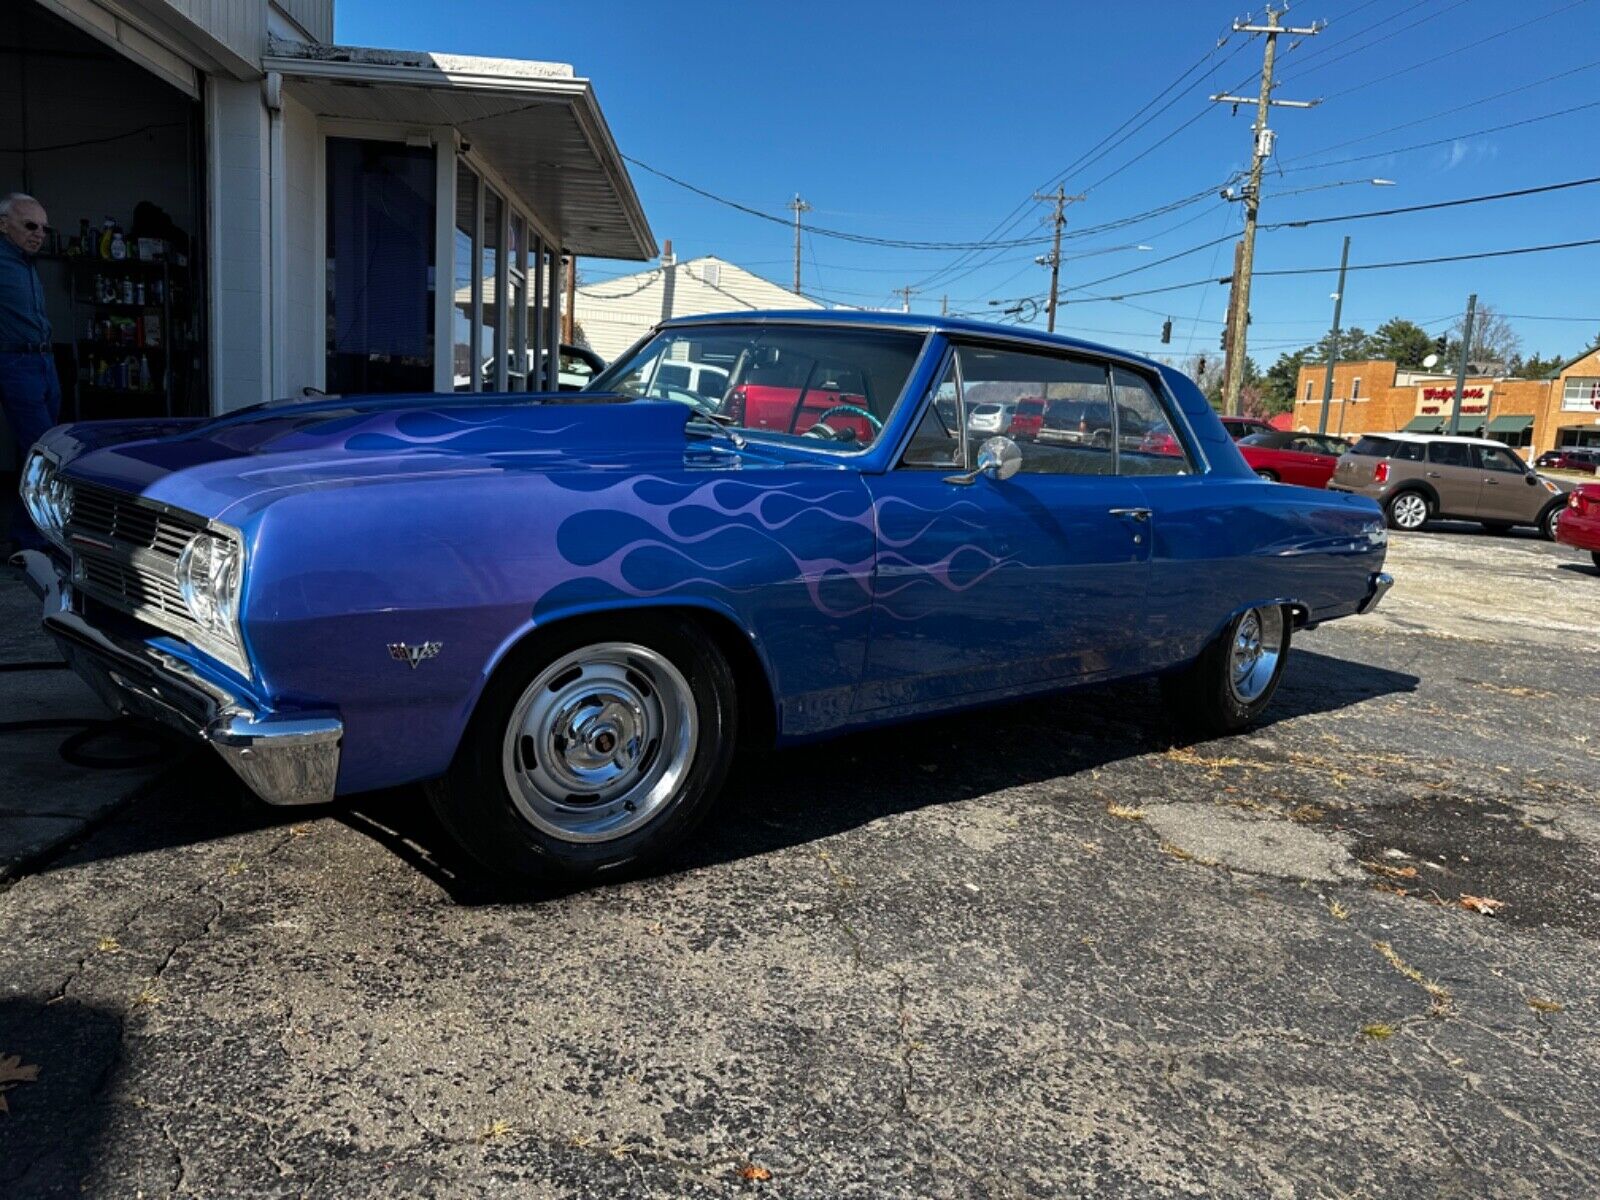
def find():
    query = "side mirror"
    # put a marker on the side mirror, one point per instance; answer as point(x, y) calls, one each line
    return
point(999, 458)
point(1532, 478)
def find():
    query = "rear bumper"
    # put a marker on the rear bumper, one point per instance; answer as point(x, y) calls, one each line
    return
point(1377, 588)
point(285, 758)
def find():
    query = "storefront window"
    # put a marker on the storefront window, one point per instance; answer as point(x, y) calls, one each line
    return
point(491, 343)
point(464, 281)
point(380, 215)
point(517, 305)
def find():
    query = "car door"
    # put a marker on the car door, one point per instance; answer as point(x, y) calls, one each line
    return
point(990, 587)
point(1313, 465)
point(1506, 495)
point(1449, 468)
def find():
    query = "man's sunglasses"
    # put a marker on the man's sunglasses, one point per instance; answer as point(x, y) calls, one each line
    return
point(35, 227)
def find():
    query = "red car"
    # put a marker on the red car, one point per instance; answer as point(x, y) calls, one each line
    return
point(1580, 521)
point(1027, 420)
point(1282, 456)
point(1570, 459)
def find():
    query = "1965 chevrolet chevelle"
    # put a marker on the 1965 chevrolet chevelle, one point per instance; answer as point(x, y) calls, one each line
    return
point(563, 612)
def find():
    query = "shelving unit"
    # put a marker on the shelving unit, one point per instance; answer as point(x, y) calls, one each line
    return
point(130, 359)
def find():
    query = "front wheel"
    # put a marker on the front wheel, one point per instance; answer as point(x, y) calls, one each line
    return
point(1407, 510)
point(1550, 520)
point(1233, 680)
point(594, 750)
point(1269, 476)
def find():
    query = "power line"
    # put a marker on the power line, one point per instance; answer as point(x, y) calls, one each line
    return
point(1454, 137)
point(1437, 204)
point(1417, 66)
point(1393, 33)
point(1381, 266)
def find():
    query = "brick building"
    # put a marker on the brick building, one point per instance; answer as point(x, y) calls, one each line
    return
point(1533, 415)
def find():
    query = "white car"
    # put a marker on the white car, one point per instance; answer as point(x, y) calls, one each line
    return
point(990, 418)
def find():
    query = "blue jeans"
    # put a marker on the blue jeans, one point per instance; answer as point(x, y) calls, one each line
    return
point(30, 398)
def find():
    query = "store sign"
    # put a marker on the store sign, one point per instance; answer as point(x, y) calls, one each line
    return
point(1434, 401)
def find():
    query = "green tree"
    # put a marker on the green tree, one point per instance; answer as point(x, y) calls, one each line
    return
point(1355, 345)
point(1278, 386)
point(1403, 341)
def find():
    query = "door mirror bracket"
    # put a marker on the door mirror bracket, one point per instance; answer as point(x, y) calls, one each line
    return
point(999, 458)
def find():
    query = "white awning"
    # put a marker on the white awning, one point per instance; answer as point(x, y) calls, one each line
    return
point(538, 126)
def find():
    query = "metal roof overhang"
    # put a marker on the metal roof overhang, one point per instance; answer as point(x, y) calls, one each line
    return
point(1423, 425)
point(543, 132)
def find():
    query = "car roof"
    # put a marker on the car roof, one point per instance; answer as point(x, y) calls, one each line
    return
point(911, 322)
point(1438, 437)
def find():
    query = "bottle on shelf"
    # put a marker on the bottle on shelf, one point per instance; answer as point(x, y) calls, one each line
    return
point(106, 227)
point(119, 244)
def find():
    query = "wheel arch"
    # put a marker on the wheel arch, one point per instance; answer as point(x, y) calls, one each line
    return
point(1299, 614)
point(757, 699)
point(1428, 491)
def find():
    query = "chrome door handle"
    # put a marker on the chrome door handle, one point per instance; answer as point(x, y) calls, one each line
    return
point(1432, 474)
point(1492, 482)
point(1136, 514)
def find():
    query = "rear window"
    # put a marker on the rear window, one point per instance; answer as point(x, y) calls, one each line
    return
point(1372, 447)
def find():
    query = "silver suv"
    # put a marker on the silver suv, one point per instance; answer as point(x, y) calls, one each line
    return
point(1417, 477)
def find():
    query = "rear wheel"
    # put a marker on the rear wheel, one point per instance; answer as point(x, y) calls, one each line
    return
point(594, 750)
point(1232, 682)
point(1269, 476)
point(1408, 510)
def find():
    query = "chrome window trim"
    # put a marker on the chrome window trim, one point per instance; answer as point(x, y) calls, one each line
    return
point(945, 362)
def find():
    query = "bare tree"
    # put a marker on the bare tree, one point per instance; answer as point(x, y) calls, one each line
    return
point(1493, 338)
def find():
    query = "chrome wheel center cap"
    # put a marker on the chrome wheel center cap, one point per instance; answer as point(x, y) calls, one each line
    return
point(599, 734)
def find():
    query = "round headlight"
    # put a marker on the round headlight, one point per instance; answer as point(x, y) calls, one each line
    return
point(46, 496)
point(208, 578)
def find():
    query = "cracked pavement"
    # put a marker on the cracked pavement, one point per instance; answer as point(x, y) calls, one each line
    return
point(1038, 950)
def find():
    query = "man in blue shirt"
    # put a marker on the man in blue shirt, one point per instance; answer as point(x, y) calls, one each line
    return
point(30, 393)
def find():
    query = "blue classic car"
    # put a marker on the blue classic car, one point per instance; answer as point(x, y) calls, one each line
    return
point(564, 612)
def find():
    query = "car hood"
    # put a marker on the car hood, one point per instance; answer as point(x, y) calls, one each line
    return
point(221, 467)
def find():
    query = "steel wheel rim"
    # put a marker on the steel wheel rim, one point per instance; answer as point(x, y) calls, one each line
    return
point(1253, 656)
point(1553, 522)
point(1410, 511)
point(1267, 475)
point(599, 742)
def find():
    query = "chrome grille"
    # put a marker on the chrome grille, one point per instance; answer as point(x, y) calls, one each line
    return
point(125, 553)
point(101, 513)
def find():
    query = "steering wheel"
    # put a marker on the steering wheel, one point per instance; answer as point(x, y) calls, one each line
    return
point(846, 410)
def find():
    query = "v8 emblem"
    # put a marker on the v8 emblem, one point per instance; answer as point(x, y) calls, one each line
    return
point(414, 655)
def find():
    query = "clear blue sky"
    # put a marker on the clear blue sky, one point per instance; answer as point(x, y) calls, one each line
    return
point(932, 121)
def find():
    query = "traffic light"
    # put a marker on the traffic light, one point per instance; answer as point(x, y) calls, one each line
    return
point(1166, 331)
point(1439, 345)
point(1222, 340)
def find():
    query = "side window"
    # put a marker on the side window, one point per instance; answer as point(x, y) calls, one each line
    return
point(1449, 454)
point(937, 441)
point(1408, 451)
point(1146, 441)
point(1492, 459)
point(1059, 408)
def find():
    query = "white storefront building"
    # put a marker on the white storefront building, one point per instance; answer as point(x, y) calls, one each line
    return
point(294, 214)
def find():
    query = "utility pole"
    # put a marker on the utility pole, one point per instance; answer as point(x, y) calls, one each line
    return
point(944, 305)
point(1333, 343)
point(1239, 301)
point(799, 206)
point(1461, 367)
point(905, 297)
point(1060, 199)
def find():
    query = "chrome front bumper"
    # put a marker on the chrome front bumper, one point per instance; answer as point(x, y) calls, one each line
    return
point(1377, 588)
point(285, 758)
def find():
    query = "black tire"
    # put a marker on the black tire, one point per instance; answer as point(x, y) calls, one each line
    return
point(1549, 518)
point(474, 800)
point(1201, 698)
point(1595, 554)
point(1401, 501)
point(1269, 476)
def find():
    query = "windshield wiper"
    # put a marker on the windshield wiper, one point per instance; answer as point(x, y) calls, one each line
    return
point(722, 424)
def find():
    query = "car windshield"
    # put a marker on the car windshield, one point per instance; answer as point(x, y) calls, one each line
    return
point(821, 383)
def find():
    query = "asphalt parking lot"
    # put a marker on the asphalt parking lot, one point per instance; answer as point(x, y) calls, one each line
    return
point(1043, 950)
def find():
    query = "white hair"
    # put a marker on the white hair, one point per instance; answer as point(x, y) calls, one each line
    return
point(8, 202)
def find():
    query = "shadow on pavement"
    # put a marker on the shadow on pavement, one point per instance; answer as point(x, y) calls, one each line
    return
point(773, 799)
point(789, 797)
point(1579, 568)
point(49, 1136)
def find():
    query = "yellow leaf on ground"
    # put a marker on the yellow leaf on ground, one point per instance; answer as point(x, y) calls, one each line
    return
point(1482, 904)
point(754, 1172)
